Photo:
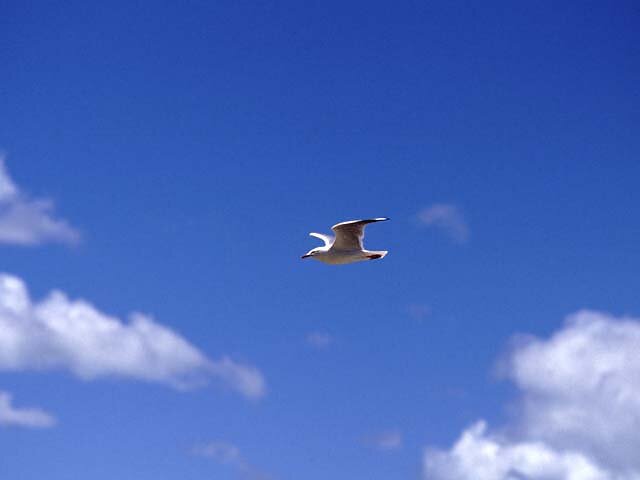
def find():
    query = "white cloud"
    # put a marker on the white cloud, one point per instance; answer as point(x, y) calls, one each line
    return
point(27, 221)
point(241, 377)
point(448, 218)
point(578, 414)
point(386, 441)
point(59, 333)
point(22, 417)
point(319, 340)
point(480, 456)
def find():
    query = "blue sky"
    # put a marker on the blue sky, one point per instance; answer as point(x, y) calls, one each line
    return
point(170, 159)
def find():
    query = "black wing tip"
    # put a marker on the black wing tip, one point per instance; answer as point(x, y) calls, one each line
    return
point(373, 220)
point(364, 221)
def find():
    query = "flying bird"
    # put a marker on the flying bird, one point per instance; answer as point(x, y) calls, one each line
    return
point(346, 246)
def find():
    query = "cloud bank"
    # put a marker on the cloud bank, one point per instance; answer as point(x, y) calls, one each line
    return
point(22, 417)
point(26, 221)
point(63, 334)
point(448, 218)
point(577, 417)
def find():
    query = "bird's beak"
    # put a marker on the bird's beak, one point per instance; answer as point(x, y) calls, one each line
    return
point(305, 256)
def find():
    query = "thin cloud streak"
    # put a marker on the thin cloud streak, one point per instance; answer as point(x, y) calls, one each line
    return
point(447, 218)
point(418, 311)
point(222, 452)
point(385, 441)
point(22, 417)
point(26, 221)
point(228, 454)
point(319, 340)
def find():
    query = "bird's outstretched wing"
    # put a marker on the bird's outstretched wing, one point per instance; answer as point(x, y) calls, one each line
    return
point(349, 234)
point(327, 239)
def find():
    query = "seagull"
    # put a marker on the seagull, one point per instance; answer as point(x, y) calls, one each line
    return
point(346, 246)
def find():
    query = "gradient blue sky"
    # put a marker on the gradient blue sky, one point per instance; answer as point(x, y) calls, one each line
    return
point(195, 144)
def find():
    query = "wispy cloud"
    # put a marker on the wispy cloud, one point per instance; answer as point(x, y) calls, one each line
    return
point(27, 221)
point(228, 454)
point(578, 415)
point(448, 218)
point(319, 340)
point(60, 333)
point(385, 441)
point(222, 452)
point(418, 311)
point(22, 417)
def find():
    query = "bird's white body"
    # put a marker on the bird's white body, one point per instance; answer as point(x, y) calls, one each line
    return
point(346, 246)
point(340, 257)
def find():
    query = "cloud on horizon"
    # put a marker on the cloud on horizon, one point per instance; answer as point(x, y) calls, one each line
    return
point(22, 417)
point(57, 333)
point(26, 221)
point(577, 415)
point(448, 218)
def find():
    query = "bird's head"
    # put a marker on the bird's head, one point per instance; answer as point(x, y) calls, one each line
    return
point(312, 253)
